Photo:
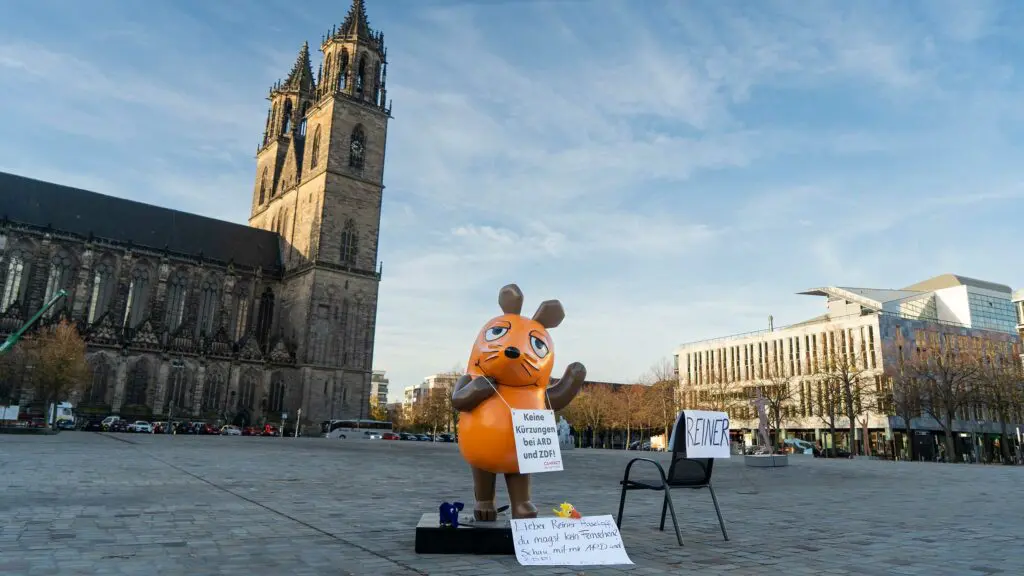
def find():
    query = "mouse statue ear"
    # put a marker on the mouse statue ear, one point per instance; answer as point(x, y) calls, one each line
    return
point(510, 298)
point(549, 314)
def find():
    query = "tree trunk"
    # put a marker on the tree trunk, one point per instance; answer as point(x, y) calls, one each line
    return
point(909, 435)
point(848, 397)
point(947, 424)
point(1004, 446)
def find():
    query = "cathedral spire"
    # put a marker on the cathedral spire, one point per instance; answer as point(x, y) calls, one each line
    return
point(356, 23)
point(301, 76)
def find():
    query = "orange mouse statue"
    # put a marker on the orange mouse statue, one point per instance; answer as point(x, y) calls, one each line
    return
point(509, 367)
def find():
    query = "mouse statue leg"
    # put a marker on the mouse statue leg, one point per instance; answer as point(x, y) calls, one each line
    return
point(519, 496)
point(483, 491)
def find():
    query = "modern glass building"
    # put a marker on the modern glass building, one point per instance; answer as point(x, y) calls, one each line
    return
point(869, 325)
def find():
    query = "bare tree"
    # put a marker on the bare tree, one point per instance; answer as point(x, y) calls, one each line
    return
point(1002, 391)
point(59, 369)
point(904, 399)
point(777, 391)
point(628, 408)
point(845, 381)
point(13, 370)
point(664, 398)
point(948, 377)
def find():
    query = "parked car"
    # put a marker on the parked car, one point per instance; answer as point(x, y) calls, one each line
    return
point(371, 435)
point(118, 426)
point(230, 430)
point(445, 438)
point(108, 422)
point(390, 436)
point(65, 424)
point(271, 430)
point(407, 436)
point(93, 426)
point(830, 453)
point(141, 426)
point(424, 438)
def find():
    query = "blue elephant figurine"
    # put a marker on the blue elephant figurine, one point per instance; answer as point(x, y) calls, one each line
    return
point(450, 514)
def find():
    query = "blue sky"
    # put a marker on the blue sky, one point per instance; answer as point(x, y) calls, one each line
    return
point(670, 170)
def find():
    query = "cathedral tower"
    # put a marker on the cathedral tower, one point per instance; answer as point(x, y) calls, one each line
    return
point(319, 185)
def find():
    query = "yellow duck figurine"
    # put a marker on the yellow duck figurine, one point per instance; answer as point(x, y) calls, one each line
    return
point(566, 510)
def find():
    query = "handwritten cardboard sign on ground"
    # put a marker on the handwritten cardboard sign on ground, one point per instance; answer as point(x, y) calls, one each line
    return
point(536, 436)
point(588, 541)
point(706, 433)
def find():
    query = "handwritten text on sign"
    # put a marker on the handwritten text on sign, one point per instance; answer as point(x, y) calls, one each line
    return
point(706, 433)
point(536, 437)
point(588, 541)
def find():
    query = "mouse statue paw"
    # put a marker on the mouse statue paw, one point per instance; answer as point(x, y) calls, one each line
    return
point(524, 510)
point(485, 511)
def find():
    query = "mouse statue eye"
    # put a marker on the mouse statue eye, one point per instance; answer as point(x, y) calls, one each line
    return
point(539, 347)
point(495, 332)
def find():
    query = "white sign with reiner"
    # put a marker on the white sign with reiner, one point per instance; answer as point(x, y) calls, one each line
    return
point(706, 433)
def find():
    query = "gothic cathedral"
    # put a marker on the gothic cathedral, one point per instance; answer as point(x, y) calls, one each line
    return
point(211, 320)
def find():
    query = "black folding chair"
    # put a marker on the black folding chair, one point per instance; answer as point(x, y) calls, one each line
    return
point(682, 473)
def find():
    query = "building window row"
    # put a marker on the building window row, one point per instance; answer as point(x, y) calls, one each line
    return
point(781, 357)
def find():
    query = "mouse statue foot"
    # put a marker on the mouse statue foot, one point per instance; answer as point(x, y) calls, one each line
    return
point(483, 490)
point(519, 496)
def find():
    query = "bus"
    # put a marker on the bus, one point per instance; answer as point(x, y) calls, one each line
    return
point(352, 428)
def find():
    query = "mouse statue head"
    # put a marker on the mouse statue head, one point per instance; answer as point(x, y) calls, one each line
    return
point(515, 350)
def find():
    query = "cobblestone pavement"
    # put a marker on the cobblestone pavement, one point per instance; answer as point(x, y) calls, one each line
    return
point(88, 503)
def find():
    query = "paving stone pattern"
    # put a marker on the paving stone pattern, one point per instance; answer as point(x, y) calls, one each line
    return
point(97, 504)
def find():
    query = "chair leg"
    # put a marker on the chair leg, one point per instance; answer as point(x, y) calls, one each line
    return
point(672, 510)
point(664, 510)
point(622, 504)
point(721, 521)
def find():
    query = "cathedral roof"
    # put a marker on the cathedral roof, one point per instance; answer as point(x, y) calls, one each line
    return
point(84, 213)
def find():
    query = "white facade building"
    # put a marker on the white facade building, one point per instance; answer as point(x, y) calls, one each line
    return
point(414, 394)
point(379, 387)
point(865, 324)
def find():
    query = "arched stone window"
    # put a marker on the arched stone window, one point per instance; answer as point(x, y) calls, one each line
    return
point(263, 186)
point(14, 281)
point(103, 284)
point(286, 122)
point(247, 393)
point(275, 403)
point(314, 154)
point(361, 76)
point(177, 290)
point(357, 148)
point(138, 297)
point(59, 278)
point(102, 377)
point(349, 243)
point(265, 318)
point(138, 383)
point(240, 319)
point(213, 390)
point(209, 300)
point(342, 80)
point(179, 390)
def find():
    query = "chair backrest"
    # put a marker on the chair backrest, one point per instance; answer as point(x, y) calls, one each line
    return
point(693, 472)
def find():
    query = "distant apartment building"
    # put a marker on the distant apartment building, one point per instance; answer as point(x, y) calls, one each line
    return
point(379, 387)
point(416, 393)
point(867, 325)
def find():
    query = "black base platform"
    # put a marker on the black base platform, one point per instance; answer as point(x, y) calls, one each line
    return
point(471, 537)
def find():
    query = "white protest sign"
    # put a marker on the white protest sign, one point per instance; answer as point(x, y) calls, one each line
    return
point(706, 433)
point(587, 541)
point(536, 437)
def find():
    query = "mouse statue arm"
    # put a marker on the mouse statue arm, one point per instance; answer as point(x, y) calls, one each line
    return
point(568, 386)
point(469, 392)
